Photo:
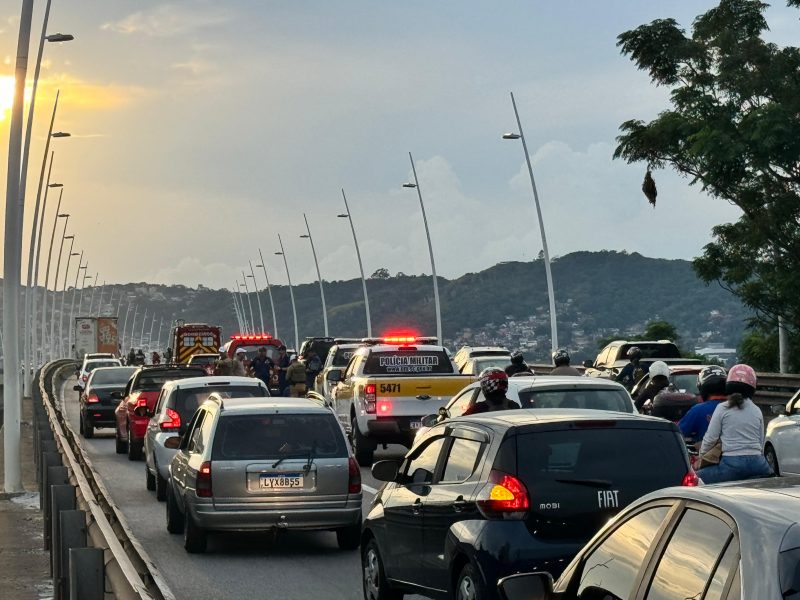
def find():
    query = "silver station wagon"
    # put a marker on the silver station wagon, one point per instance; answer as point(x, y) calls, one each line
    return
point(263, 464)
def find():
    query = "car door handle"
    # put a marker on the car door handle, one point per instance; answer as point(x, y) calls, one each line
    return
point(459, 504)
point(416, 508)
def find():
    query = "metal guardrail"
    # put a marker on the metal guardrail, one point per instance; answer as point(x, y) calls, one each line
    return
point(129, 571)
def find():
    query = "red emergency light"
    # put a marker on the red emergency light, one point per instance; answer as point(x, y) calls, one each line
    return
point(259, 337)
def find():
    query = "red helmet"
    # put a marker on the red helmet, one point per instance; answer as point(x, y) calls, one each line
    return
point(494, 380)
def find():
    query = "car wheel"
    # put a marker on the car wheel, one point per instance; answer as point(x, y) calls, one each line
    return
point(161, 486)
point(80, 425)
point(365, 453)
point(122, 445)
point(87, 428)
point(150, 479)
point(469, 585)
point(134, 450)
point(376, 587)
point(174, 514)
point(194, 537)
point(349, 537)
point(772, 459)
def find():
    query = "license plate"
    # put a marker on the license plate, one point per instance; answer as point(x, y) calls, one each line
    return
point(415, 424)
point(282, 481)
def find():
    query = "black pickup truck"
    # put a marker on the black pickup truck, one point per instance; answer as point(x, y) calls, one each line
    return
point(613, 357)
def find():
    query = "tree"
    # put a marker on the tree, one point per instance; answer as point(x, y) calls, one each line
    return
point(734, 128)
point(660, 330)
point(382, 273)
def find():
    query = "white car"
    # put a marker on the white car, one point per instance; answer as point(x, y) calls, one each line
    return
point(468, 356)
point(782, 445)
point(90, 365)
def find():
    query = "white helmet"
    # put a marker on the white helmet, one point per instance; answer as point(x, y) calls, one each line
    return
point(659, 367)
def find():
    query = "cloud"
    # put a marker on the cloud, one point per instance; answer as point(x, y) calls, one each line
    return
point(192, 271)
point(170, 20)
point(81, 94)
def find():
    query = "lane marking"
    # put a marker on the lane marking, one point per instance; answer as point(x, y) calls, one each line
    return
point(369, 489)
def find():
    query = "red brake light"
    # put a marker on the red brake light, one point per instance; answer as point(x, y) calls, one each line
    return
point(384, 407)
point(92, 398)
point(354, 486)
point(691, 479)
point(504, 497)
point(203, 482)
point(171, 420)
point(369, 398)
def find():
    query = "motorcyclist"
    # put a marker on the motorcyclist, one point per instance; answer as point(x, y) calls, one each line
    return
point(633, 371)
point(561, 361)
point(155, 358)
point(711, 384)
point(140, 359)
point(659, 379)
point(517, 365)
point(494, 385)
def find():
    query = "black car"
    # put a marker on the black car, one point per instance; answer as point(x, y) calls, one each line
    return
point(720, 542)
point(96, 404)
point(481, 497)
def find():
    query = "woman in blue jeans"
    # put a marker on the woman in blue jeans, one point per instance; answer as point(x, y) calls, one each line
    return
point(739, 426)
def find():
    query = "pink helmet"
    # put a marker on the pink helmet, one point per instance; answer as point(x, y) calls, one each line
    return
point(742, 374)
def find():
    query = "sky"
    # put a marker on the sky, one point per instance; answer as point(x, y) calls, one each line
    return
point(201, 130)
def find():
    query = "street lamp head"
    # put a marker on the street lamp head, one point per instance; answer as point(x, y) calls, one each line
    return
point(250, 276)
point(260, 266)
point(60, 37)
point(69, 237)
point(511, 136)
point(343, 216)
point(63, 215)
point(60, 134)
point(55, 185)
point(409, 185)
point(75, 253)
point(279, 254)
point(304, 237)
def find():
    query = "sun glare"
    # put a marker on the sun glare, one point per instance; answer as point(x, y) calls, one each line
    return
point(6, 95)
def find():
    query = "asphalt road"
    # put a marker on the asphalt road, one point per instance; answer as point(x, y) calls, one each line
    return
point(289, 566)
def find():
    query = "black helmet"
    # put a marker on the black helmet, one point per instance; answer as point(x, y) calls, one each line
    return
point(711, 381)
point(517, 358)
point(560, 357)
point(634, 353)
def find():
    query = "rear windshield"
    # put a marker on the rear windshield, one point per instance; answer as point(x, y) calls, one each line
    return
point(252, 351)
point(501, 362)
point(152, 381)
point(343, 356)
point(319, 346)
point(579, 477)
point(652, 350)
point(597, 399)
point(113, 376)
point(200, 359)
point(91, 366)
point(186, 402)
point(408, 362)
point(269, 437)
point(685, 382)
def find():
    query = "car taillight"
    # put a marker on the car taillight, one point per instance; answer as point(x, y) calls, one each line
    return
point(384, 407)
point(354, 485)
point(92, 399)
point(203, 483)
point(170, 420)
point(504, 497)
point(369, 398)
point(691, 479)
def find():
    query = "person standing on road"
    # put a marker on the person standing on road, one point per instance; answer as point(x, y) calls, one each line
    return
point(518, 364)
point(561, 361)
point(494, 385)
point(261, 366)
point(131, 358)
point(296, 377)
point(223, 366)
point(140, 358)
point(313, 368)
point(168, 355)
point(633, 371)
point(282, 365)
point(239, 364)
point(738, 426)
point(711, 384)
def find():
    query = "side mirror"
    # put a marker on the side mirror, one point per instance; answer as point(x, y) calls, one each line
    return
point(588, 364)
point(526, 586)
point(385, 470)
point(334, 375)
point(116, 395)
point(141, 411)
point(77, 388)
point(173, 443)
point(430, 420)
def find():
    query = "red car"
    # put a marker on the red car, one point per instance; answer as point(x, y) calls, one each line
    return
point(138, 402)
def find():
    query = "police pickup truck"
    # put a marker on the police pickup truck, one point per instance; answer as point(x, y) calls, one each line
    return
point(388, 386)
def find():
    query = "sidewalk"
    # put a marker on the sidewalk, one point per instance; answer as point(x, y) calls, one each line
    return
point(24, 564)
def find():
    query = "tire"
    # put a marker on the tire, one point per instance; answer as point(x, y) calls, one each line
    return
point(88, 429)
point(150, 479)
point(195, 538)
point(772, 459)
point(469, 585)
point(174, 514)
point(373, 575)
point(122, 445)
point(80, 425)
point(349, 538)
point(362, 446)
point(161, 485)
point(134, 450)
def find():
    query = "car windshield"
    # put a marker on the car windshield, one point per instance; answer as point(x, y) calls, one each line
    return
point(252, 350)
point(408, 362)
point(91, 366)
point(342, 357)
point(149, 381)
point(587, 398)
point(685, 382)
point(273, 436)
point(186, 401)
point(118, 376)
point(203, 359)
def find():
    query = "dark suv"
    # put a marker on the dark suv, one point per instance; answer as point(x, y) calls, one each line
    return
point(482, 497)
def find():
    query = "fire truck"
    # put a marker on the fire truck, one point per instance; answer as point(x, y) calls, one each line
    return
point(188, 339)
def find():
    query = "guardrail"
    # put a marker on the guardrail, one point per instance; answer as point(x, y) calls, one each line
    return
point(117, 563)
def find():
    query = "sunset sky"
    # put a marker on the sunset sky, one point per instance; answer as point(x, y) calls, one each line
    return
point(202, 129)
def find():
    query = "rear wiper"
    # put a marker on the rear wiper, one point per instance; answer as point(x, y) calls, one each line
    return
point(587, 482)
point(311, 452)
point(283, 458)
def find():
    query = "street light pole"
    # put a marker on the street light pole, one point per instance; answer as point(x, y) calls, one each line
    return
point(36, 327)
point(71, 322)
point(125, 327)
point(319, 277)
point(100, 299)
point(141, 334)
point(548, 273)
point(249, 303)
point(64, 237)
point(263, 265)
point(430, 250)
point(150, 335)
point(291, 294)
point(349, 216)
point(12, 266)
point(83, 286)
point(63, 298)
point(160, 325)
point(133, 326)
point(258, 295)
point(91, 298)
point(237, 312)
